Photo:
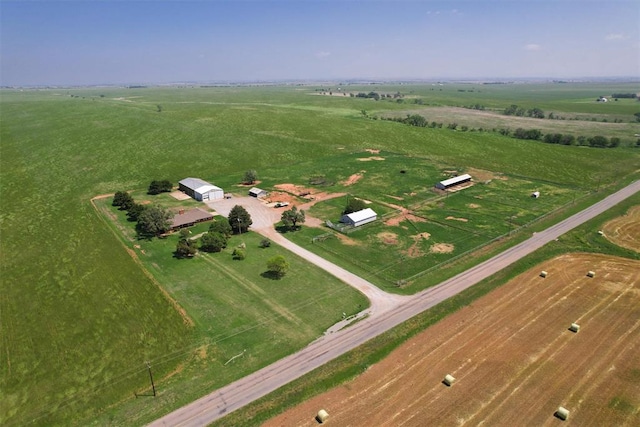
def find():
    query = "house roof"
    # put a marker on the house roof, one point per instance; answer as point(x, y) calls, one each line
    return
point(196, 184)
point(361, 215)
point(190, 216)
point(455, 179)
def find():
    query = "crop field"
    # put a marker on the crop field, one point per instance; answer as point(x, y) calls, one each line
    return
point(81, 317)
point(513, 363)
point(625, 230)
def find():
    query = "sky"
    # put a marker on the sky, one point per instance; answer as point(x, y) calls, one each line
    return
point(156, 42)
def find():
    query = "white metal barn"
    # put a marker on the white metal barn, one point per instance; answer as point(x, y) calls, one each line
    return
point(362, 217)
point(451, 182)
point(200, 190)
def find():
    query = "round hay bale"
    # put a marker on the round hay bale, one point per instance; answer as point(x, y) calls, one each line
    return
point(449, 379)
point(543, 274)
point(591, 274)
point(322, 416)
point(562, 413)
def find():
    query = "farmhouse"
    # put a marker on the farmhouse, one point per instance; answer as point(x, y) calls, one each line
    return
point(452, 182)
point(189, 218)
point(200, 190)
point(257, 192)
point(359, 218)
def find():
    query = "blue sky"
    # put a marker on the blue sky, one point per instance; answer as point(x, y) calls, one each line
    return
point(121, 42)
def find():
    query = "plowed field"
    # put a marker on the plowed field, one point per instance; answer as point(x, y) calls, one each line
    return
point(514, 359)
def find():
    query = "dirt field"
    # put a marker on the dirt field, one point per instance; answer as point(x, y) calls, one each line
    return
point(513, 357)
point(625, 230)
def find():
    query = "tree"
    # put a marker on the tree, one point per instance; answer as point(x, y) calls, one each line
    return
point(239, 254)
point(153, 221)
point(354, 205)
point(213, 242)
point(185, 248)
point(637, 116)
point(250, 176)
point(134, 211)
point(265, 243)
point(598, 141)
point(292, 217)
point(123, 200)
point(277, 266)
point(239, 219)
point(157, 187)
point(221, 225)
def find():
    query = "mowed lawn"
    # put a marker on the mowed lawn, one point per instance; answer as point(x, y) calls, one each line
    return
point(79, 317)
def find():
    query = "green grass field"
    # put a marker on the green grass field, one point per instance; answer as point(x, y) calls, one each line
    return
point(80, 317)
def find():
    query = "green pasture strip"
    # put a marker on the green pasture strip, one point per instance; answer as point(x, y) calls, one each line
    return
point(237, 309)
point(347, 367)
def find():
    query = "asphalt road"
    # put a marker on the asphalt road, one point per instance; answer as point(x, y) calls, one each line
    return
point(328, 347)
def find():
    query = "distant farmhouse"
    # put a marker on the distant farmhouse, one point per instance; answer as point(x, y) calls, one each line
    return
point(200, 190)
point(189, 218)
point(452, 182)
point(359, 218)
point(257, 192)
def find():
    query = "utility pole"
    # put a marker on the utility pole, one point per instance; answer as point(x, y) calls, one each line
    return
point(153, 387)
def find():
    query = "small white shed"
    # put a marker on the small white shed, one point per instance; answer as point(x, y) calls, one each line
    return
point(258, 192)
point(359, 218)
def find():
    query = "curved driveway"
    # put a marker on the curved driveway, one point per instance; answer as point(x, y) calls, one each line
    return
point(235, 395)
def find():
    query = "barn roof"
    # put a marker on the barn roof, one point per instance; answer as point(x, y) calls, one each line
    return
point(190, 216)
point(198, 185)
point(361, 215)
point(256, 190)
point(455, 179)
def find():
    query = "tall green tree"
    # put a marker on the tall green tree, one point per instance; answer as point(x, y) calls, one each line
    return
point(221, 225)
point(277, 266)
point(213, 242)
point(292, 217)
point(123, 200)
point(154, 221)
point(250, 176)
point(185, 248)
point(157, 187)
point(239, 219)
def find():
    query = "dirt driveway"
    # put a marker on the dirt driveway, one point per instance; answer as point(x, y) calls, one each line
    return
point(263, 216)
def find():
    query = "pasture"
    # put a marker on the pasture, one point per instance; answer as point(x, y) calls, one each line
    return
point(79, 315)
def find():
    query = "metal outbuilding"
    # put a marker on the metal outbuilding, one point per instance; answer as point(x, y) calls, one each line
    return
point(452, 182)
point(258, 192)
point(200, 190)
point(359, 218)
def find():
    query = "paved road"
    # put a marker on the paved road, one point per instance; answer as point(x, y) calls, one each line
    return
point(238, 394)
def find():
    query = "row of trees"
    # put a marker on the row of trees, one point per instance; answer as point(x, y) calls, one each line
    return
point(150, 220)
point(514, 110)
point(597, 141)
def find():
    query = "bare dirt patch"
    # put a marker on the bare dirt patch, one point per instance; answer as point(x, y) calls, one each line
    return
point(388, 238)
point(483, 175)
point(453, 218)
point(372, 151)
point(368, 159)
point(441, 248)
point(473, 206)
point(353, 179)
point(625, 230)
point(346, 240)
point(396, 220)
point(179, 195)
point(415, 251)
point(514, 363)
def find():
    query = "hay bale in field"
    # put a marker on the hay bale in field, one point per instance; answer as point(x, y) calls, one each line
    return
point(574, 327)
point(543, 274)
point(448, 380)
point(562, 413)
point(322, 416)
point(591, 274)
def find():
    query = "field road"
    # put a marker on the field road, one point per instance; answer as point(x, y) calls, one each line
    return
point(242, 392)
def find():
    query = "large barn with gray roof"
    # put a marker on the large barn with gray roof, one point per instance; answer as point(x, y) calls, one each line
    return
point(200, 190)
